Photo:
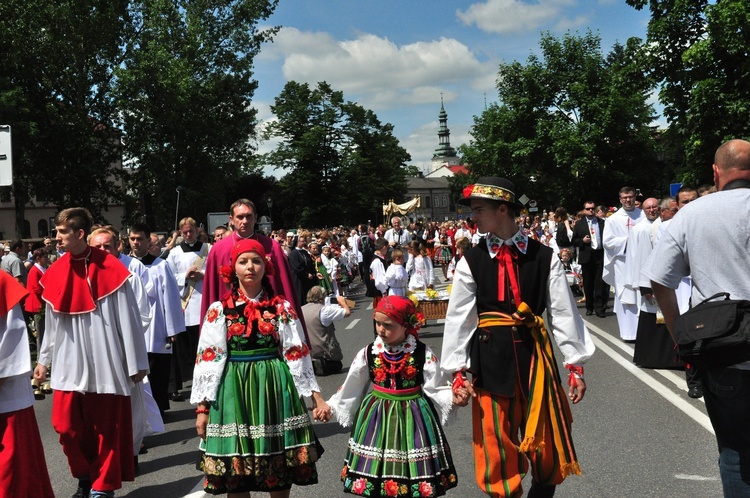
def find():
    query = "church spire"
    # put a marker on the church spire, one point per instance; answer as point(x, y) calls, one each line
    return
point(444, 148)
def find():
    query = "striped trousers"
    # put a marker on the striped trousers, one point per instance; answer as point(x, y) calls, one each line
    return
point(500, 466)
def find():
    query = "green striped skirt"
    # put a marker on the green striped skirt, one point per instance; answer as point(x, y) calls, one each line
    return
point(398, 448)
point(259, 435)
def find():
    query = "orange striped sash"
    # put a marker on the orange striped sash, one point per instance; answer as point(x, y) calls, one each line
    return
point(548, 408)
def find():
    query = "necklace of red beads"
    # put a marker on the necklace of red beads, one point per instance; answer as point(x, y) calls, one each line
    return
point(391, 364)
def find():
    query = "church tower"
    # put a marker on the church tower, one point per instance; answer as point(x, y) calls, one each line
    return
point(444, 154)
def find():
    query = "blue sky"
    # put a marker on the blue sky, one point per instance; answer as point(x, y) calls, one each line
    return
point(398, 57)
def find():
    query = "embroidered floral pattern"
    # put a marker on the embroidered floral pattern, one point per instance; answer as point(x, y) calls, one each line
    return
point(210, 354)
point(212, 315)
point(253, 323)
point(297, 352)
point(258, 473)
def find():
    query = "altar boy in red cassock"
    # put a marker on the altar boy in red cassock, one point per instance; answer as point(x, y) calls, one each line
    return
point(94, 337)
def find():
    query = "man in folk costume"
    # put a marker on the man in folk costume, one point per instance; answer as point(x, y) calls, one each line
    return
point(242, 216)
point(24, 469)
point(94, 336)
point(494, 331)
point(615, 239)
point(187, 262)
point(167, 318)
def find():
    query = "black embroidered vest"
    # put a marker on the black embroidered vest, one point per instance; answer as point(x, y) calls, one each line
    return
point(501, 356)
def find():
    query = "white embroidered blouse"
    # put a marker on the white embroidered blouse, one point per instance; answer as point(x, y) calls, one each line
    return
point(213, 353)
point(346, 402)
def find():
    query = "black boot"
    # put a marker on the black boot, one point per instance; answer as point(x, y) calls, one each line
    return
point(541, 490)
point(84, 488)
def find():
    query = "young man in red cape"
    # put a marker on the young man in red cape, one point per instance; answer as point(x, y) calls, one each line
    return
point(94, 337)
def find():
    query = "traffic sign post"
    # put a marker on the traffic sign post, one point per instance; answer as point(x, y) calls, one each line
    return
point(6, 157)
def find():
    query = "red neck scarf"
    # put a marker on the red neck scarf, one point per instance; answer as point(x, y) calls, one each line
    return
point(11, 293)
point(74, 284)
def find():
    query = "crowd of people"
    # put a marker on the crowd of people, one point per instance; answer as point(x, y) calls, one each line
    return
point(247, 321)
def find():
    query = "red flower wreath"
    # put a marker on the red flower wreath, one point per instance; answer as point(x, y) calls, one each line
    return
point(226, 273)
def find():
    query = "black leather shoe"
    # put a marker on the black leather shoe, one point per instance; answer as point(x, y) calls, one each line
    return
point(84, 488)
point(601, 314)
point(589, 312)
point(176, 396)
point(695, 392)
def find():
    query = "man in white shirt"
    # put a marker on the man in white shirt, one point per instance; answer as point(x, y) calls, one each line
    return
point(320, 313)
point(87, 290)
point(187, 262)
point(615, 239)
point(167, 318)
point(397, 236)
point(711, 244)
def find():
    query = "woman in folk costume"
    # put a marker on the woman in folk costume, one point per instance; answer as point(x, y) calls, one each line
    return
point(24, 470)
point(397, 446)
point(252, 366)
point(494, 331)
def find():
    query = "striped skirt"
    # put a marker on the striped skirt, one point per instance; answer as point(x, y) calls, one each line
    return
point(259, 435)
point(398, 448)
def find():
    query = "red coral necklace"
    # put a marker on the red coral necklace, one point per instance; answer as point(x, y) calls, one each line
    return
point(392, 365)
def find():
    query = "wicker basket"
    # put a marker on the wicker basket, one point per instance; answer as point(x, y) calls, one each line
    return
point(433, 309)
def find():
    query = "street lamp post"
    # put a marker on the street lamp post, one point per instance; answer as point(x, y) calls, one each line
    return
point(270, 213)
point(177, 209)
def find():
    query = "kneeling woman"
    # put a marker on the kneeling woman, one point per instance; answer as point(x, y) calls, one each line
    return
point(252, 365)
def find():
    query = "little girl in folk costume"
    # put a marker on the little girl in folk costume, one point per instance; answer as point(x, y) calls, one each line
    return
point(397, 446)
point(252, 365)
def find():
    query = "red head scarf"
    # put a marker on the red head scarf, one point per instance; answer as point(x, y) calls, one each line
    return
point(402, 311)
point(250, 245)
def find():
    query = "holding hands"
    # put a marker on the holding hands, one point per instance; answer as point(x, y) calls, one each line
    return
point(321, 410)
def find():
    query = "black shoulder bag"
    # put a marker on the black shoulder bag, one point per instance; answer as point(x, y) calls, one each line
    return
point(714, 334)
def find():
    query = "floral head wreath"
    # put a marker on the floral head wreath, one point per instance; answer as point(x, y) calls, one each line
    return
point(402, 310)
point(242, 246)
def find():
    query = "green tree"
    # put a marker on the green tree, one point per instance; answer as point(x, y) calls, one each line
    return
point(184, 93)
point(699, 55)
point(334, 151)
point(56, 72)
point(569, 119)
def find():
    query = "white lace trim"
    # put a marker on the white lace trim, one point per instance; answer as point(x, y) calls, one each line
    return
point(392, 455)
point(258, 431)
point(205, 387)
point(409, 345)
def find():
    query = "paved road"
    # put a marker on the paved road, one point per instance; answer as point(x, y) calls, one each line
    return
point(637, 433)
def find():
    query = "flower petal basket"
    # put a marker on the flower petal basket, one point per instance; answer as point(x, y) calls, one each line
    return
point(432, 304)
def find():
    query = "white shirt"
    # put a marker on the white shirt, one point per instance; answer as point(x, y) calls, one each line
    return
point(615, 241)
point(15, 363)
point(346, 402)
point(103, 362)
point(396, 278)
point(207, 374)
point(167, 318)
point(423, 274)
point(639, 250)
point(179, 263)
point(563, 319)
point(400, 237)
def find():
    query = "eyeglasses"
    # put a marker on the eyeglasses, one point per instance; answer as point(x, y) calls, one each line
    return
point(588, 209)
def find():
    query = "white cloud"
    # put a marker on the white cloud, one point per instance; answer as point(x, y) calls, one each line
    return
point(516, 16)
point(377, 72)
